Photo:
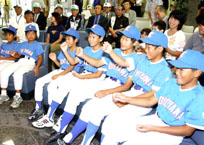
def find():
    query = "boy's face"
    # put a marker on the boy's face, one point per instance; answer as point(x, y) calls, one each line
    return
point(29, 18)
point(126, 43)
point(144, 35)
point(184, 76)
point(70, 41)
point(94, 39)
point(9, 37)
point(31, 35)
point(152, 52)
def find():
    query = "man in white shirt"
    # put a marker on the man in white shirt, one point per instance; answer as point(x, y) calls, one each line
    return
point(29, 16)
point(18, 19)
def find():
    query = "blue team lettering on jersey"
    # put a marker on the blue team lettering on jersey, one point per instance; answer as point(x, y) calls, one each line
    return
point(64, 64)
point(6, 48)
point(94, 54)
point(177, 107)
point(33, 49)
point(113, 70)
point(148, 74)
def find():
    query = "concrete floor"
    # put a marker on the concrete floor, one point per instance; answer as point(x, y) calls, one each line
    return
point(15, 127)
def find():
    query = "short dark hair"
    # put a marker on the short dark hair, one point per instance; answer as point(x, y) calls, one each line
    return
point(146, 30)
point(160, 24)
point(200, 19)
point(28, 12)
point(161, 8)
point(127, 1)
point(180, 16)
point(99, 5)
point(58, 18)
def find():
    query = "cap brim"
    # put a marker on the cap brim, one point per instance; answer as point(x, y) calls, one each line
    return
point(149, 41)
point(65, 33)
point(74, 9)
point(180, 64)
point(125, 33)
point(36, 7)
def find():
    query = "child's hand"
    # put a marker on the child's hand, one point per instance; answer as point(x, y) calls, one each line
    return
point(107, 48)
point(77, 75)
point(36, 70)
point(101, 94)
point(52, 56)
point(12, 53)
point(118, 97)
point(64, 46)
point(55, 77)
point(144, 128)
point(79, 51)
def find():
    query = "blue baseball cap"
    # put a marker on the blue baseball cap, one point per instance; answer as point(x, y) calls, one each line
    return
point(189, 59)
point(130, 32)
point(72, 32)
point(30, 28)
point(97, 29)
point(156, 38)
point(10, 28)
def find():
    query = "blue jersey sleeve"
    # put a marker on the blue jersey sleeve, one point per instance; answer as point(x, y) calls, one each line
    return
point(39, 49)
point(161, 78)
point(195, 112)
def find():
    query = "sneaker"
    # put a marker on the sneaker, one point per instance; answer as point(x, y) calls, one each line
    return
point(61, 142)
point(54, 137)
point(43, 122)
point(35, 114)
point(17, 100)
point(3, 98)
point(56, 127)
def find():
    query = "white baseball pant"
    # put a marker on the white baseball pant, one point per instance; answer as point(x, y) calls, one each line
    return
point(18, 69)
point(4, 64)
point(72, 85)
point(39, 84)
point(131, 136)
point(96, 109)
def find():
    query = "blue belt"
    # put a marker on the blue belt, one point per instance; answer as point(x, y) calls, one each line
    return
point(138, 87)
point(116, 80)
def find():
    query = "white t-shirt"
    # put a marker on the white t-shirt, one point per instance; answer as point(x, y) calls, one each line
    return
point(16, 21)
point(176, 42)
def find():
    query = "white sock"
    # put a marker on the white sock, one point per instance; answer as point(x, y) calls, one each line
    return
point(68, 137)
point(18, 94)
point(3, 92)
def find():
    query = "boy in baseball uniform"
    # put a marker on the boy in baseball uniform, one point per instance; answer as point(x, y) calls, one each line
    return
point(6, 59)
point(178, 114)
point(30, 58)
point(72, 37)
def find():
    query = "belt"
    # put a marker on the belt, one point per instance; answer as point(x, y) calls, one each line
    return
point(116, 80)
point(138, 87)
point(25, 56)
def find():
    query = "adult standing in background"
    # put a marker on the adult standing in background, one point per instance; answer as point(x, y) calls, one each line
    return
point(150, 9)
point(107, 11)
point(39, 16)
point(130, 14)
point(75, 21)
point(59, 9)
point(42, 6)
point(6, 7)
point(161, 14)
point(18, 19)
point(98, 18)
